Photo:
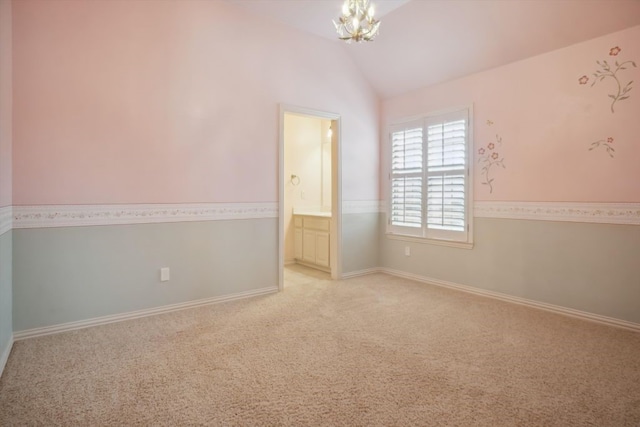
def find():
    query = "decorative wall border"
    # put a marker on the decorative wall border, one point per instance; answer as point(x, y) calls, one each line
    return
point(85, 215)
point(604, 213)
point(6, 219)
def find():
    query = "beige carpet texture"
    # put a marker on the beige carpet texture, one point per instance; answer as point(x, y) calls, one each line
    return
point(374, 350)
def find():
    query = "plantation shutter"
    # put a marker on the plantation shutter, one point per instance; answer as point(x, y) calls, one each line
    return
point(406, 192)
point(447, 176)
point(429, 179)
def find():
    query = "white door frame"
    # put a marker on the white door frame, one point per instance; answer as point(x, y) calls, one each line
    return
point(336, 190)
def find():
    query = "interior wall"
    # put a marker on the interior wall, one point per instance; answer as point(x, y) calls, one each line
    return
point(302, 157)
point(325, 175)
point(592, 268)
point(142, 102)
point(547, 122)
point(146, 102)
point(560, 139)
point(6, 75)
point(6, 116)
point(360, 242)
point(6, 296)
point(303, 138)
point(87, 272)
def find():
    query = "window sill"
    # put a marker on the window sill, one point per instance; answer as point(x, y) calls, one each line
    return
point(448, 243)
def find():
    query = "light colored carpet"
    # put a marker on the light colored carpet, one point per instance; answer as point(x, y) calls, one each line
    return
point(373, 350)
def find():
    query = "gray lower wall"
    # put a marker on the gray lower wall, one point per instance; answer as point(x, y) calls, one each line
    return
point(69, 274)
point(6, 310)
point(588, 267)
point(360, 242)
point(76, 273)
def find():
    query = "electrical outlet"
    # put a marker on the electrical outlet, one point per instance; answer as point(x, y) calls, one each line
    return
point(164, 274)
point(407, 250)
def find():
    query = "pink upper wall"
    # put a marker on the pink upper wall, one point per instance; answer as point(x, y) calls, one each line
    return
point(171, 102)
point(547, 122)
point(5, 103)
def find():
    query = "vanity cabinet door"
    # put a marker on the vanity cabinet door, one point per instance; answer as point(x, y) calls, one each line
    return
point(297, 243)
point(322, 248)
point(309, 245)
point(312, 241)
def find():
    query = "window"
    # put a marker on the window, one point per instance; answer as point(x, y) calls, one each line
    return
point(430, 191)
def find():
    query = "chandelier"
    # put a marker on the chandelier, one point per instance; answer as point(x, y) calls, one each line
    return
point(356, 22)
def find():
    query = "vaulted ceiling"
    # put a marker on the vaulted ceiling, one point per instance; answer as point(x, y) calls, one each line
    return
point(425, 42)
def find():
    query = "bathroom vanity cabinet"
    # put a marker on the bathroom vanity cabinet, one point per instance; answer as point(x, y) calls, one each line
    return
point(312, 240)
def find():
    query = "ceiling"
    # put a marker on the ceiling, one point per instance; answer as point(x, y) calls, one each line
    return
point(425, 42)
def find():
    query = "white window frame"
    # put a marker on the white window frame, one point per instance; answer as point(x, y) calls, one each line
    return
point(424, 234)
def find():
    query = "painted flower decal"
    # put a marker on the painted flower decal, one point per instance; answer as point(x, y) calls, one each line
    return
point(611, 70)
point(489, 122)
point(488, 159)
point(606, 144)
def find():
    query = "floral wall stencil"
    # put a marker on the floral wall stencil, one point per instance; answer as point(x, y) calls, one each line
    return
point(490, 157)
point(606, 144)
point(611, 70)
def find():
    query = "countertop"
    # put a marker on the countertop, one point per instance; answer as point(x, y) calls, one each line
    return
point(312, 213)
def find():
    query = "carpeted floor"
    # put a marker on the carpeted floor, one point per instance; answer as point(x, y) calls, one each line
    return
point(373, 350)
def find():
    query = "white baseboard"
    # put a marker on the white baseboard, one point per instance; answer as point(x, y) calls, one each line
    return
point(289, 261)
point(5, 355)
point(64, 327)
point(357, 273)
point(610, 321)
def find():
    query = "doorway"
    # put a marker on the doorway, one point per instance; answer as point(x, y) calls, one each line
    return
point(309, 229)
